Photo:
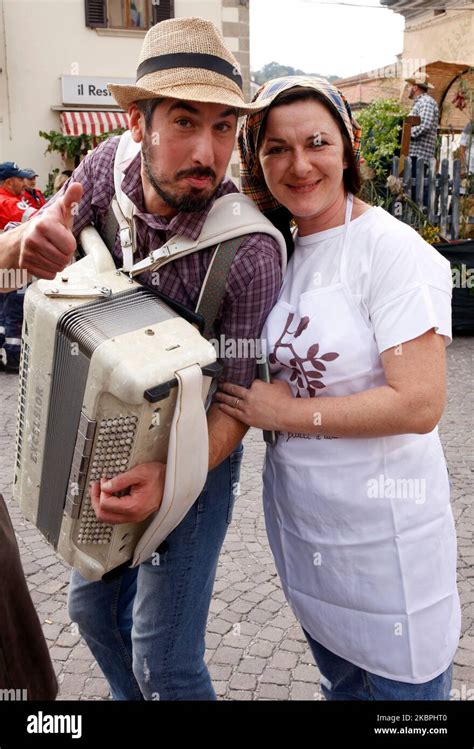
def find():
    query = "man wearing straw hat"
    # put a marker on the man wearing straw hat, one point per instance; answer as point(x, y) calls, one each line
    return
point(146, 629)
point(423, 136)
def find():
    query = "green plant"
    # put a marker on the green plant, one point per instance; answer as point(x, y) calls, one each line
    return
point(49, 189)
point(381, 123)
point(75, 147)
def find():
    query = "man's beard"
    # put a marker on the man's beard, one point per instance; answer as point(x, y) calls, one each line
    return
point(189, 202)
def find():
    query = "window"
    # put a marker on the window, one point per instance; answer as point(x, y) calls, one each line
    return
point(127, 14)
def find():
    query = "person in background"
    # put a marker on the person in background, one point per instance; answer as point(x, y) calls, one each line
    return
point(31, 194)
point(423, 136)
point(12, 208)
point(60, 180)
point(12, 205)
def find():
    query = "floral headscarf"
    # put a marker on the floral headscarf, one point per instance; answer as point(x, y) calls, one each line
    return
point(252, 180)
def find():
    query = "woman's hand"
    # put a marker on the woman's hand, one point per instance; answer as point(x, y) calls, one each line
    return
point(263, 405)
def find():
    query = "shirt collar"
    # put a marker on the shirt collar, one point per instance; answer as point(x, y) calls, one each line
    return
point(185, 224)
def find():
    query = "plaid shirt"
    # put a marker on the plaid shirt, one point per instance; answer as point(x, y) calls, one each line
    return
point(423, 136)
point(254, 279)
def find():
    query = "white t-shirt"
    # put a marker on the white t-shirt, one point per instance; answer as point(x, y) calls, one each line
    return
point(400, 282)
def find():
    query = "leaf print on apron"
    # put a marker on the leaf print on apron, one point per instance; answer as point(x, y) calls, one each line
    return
point(304, 378)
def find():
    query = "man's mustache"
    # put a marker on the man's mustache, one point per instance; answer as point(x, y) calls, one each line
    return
point(198, 171)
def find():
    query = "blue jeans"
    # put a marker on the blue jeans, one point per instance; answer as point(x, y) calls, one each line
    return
point(146, 629)
point(11, 322)
point(341, 680)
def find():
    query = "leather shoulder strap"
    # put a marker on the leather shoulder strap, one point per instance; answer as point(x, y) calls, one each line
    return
point(232, 215)
point(213, 287)
point(109, 229)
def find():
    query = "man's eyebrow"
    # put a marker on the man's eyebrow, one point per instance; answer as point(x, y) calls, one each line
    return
point(194, 110)
point(183, 105)
point(228, 112)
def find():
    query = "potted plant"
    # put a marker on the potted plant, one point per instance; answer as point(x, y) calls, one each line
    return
point(460, 253)
point(75, 147)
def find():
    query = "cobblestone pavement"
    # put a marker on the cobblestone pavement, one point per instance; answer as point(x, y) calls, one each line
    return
point(255, 648)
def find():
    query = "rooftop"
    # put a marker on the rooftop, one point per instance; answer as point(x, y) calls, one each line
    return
point(413, 8)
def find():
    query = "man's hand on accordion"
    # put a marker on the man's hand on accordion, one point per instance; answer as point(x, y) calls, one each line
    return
point(145, 484)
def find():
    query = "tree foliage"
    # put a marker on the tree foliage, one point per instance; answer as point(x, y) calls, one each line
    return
point(276, 70)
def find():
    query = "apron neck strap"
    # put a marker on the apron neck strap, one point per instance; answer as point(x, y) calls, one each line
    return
point(347, 220)
point(349, 204)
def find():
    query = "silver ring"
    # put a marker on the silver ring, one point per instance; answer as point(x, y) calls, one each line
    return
point(236, 402)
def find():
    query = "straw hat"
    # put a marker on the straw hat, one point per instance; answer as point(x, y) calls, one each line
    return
point(420, 79)
point(185, 58)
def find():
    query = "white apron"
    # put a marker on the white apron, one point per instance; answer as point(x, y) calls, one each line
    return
point(361, 529)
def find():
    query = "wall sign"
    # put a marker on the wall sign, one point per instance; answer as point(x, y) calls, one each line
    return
point(77, 89)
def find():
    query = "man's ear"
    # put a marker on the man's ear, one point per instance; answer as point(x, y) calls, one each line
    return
point(136, 123)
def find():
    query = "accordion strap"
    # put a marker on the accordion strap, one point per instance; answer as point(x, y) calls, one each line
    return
point(185, 478)
point(214, 284)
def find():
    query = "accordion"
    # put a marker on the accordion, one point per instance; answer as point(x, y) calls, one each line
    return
point(110, 377)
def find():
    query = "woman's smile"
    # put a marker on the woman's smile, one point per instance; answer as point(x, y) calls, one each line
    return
point(305, 188)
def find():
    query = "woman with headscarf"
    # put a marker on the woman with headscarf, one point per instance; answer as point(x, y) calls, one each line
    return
point(356, 491)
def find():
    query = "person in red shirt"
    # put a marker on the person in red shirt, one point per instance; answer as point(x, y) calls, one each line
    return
point(12, 208)
point(31, 194)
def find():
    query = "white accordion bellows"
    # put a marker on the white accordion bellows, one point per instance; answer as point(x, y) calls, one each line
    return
point(110, 377)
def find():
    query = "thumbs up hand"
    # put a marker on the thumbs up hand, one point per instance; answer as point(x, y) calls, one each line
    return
point(47, 243)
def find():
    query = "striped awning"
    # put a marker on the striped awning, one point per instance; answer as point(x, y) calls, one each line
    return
point(92, 123)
